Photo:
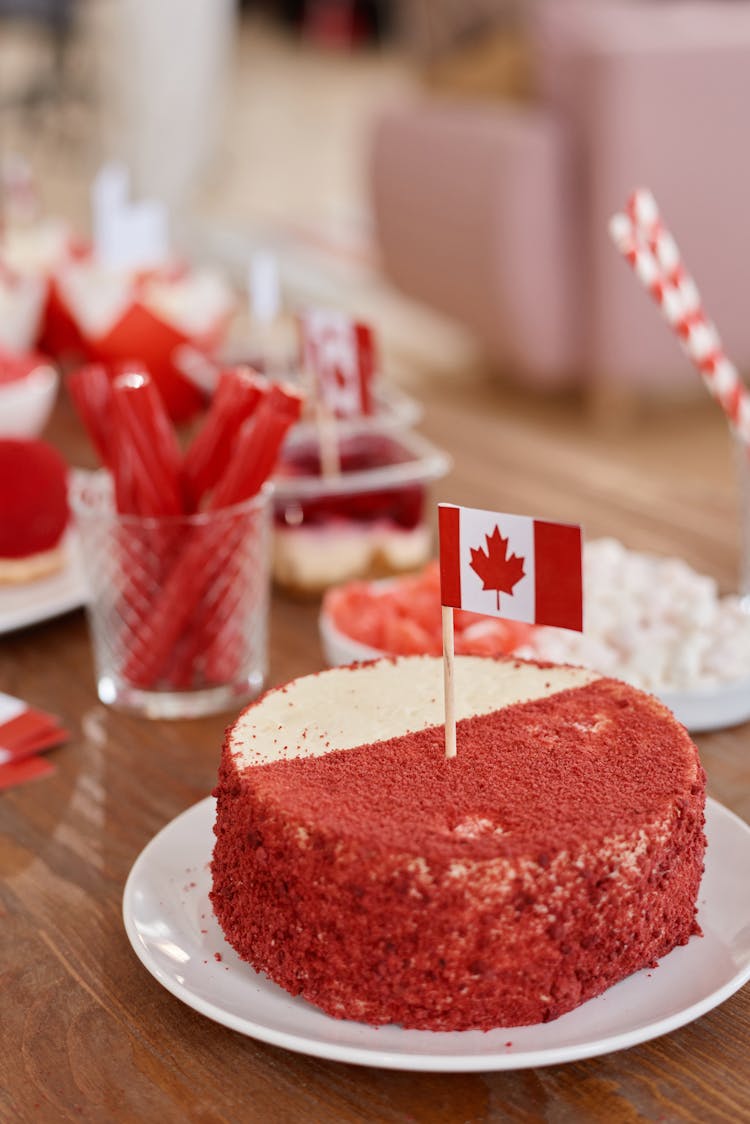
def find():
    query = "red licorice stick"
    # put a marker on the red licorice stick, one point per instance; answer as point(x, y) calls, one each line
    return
point(224, 640)
point(121, 466)
point(193, 661)
point(146, 464)
point(143, 426)
point(90, 388)
point(257, 446)
point(185, 666)
point(176, 613)
point(238, 394)
point(256, 450)
point(172, 612)
point(224, 654)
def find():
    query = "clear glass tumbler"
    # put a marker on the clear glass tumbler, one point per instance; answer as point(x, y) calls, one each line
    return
point(178, 605)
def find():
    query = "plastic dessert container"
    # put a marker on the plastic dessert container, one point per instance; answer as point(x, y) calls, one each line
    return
point(394, 411)
point(372, 519)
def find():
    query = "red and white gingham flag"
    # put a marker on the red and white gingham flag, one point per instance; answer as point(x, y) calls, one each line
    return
point(511, 566)
point(339, 354)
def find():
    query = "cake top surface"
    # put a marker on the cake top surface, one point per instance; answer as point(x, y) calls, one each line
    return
point(351, 706)
point(561, 758)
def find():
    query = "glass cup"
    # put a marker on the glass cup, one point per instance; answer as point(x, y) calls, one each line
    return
point(177, 605)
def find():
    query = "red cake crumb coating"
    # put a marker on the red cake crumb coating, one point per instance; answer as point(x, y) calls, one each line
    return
point(33, 497)
point(561, 850)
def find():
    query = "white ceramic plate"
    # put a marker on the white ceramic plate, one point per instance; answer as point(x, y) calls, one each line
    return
point(340, 649)
point(714, 707)
point(171, 926)
point(711, 708)
point(31, 602)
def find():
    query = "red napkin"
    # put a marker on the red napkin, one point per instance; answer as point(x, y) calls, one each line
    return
point(24, 733)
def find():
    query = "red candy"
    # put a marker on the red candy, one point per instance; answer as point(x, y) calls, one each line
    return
point(175, 630)
point(33, 497)
point(402, 618)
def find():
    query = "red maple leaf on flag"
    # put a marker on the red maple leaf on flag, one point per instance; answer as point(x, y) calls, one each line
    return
point(494, 567)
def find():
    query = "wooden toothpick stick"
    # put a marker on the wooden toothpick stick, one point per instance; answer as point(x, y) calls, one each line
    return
point(449, 684)
point(330, 459)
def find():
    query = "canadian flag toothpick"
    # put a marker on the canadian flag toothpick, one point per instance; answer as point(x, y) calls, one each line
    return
point(338, 354)
point(502, 565)
point(338, 360)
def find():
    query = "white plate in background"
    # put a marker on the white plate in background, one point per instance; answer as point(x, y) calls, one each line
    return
point(713, 707)
point(27, 603)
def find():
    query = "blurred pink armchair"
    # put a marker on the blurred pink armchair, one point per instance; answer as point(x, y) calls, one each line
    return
point(497, 214)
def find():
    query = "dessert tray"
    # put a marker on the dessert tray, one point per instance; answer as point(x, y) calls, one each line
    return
point(171, 926)
point(30, 603)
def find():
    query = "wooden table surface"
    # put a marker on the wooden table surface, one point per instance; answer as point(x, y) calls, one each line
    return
point(88, 1034)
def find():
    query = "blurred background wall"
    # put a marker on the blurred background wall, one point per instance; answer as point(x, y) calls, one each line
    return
point(453, 162)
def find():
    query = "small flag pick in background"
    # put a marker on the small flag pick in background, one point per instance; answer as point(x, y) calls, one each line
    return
point(338, 359)
point(338, 354)
point(24, 733)
point(503, 565)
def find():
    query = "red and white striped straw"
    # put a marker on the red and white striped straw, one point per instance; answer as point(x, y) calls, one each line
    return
point(644, 241)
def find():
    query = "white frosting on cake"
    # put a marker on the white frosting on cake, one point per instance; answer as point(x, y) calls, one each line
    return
point(339, 709)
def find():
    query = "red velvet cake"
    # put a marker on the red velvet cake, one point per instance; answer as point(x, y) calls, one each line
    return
point(561, 850)
point(33, 509)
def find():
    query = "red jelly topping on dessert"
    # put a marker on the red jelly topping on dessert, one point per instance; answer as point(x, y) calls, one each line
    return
point(361, 453)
